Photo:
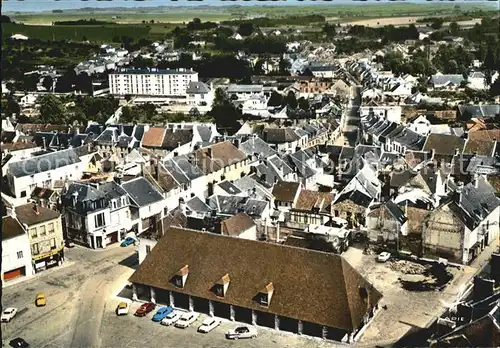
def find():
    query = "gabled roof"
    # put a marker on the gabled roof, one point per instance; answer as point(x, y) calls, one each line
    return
point(285, 191)
point(230, 205)
point(443, 144)
point(389, 210)
point(479, 147)
point(279, 135)
point(217, 156)
point(142, 192)
point(236, 224)
point(196, 87)
point(176, 138)
point(43, 163)
point(154, 137)
point(322, 288)
point(11, 228)
point(309, 200)
point(26, 214)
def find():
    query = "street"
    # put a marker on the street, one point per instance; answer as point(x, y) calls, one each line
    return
point(350, 118)
point(76, 296)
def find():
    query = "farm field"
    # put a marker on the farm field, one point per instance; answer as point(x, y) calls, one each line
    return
point(207, 13)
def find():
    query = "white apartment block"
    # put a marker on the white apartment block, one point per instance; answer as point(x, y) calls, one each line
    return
point(151, 82)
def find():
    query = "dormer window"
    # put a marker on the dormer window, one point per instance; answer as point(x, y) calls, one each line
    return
point(179, 279)
point(264, 296)
point(220, 288)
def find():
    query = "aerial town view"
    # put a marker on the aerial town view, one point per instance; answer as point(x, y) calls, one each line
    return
point(184, 174)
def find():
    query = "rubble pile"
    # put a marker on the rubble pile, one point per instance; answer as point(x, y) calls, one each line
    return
point(408, 267)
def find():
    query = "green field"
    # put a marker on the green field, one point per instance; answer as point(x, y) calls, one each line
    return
point(185, 14)
point(98, 33)
point(129, 23)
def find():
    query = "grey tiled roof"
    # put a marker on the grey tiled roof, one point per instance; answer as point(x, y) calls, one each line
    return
point(196, 87)
point(257, 146)
point(142, 192)
point(43, 163)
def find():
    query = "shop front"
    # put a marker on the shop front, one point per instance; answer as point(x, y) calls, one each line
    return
point(48, 260)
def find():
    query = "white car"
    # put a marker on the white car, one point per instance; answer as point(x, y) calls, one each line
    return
point(187, 319)
point(8, 314)
point(209, 324)
point(171, 318)
point(242, 332)
point(383, 256)
point(123, 308)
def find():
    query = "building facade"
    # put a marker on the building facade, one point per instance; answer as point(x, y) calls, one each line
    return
point(16, 254)
point(151, 82)
point(45, 235)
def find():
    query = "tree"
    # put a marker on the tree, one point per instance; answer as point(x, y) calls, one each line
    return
point(224, 113)
point(291, 100)
point(454, 28)
point(83, 83)
point(284, 66)
point(48, 82)
point(437, 23)
point(11, 107)
point(246, 29)
point(329, 30)
point(52, 110)
point(258, 68)
point(276, 99)
point(303, 104)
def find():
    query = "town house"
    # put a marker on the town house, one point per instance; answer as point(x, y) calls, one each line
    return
point(16, 252)
point(45, 234)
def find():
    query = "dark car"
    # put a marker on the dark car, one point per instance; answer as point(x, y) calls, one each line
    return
point(145, 309)
point(19, 343)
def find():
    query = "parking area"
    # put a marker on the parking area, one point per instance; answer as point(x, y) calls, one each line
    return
point(134, 332)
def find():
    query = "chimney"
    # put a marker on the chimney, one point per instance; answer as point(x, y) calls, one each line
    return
point(157, 171)
point(182, 206)
point(209, 152)
point(476, 181)
point(36, 209)
point(89, 147)
point(457, 151)
point(44, 143)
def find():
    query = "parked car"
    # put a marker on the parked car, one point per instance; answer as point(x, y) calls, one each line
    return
point(145, 309)
point(69, 244)
point(162, 313)
point(19, 343)
point(209, 324)
point(127, 241)
point(171, 318)
point(122, 308)
point(186, 320)
point(242, 332)
point(8, 314)
point(40, 299)
point(383, 256)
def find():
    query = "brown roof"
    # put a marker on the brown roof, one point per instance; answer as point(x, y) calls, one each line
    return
point(285, 191)
point(26, 214)
point(20, 145)
point(485, 135)
point(237, 224)
point(446, 114)
point(479, 147)
point(217, 156)
point(11, 228)
point(308, 285)
point(443, 144)
point(313, 199)
point(153, 137)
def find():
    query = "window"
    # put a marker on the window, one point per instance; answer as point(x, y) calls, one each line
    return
point(19, 254)
point(53, 243)
point(33, 233)
point(23, 193)
point(99, 220)
point(114, 204)
point(148, 249)
point(34, 249)
point(42, 230)
point(51, 228)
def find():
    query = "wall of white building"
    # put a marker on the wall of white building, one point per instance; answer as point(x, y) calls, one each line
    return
point(154, 82)
point(16, 253)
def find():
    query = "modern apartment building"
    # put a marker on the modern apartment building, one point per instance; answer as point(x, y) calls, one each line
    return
point(152, 82)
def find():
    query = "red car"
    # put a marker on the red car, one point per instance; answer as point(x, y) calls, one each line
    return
point(145, 309)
